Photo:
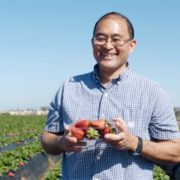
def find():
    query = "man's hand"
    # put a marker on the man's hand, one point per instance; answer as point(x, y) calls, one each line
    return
point(123, 139)
point(70, 144)
point(56, 143)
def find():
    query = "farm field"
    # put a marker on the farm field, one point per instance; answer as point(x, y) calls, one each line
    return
point(22, 156)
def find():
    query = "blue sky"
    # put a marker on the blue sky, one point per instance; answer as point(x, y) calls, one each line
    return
point(44, 42)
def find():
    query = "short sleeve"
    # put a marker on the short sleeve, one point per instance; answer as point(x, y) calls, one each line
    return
point(163, 123)
point(54, 121)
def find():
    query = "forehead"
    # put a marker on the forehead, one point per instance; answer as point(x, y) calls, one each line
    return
point(112, 25)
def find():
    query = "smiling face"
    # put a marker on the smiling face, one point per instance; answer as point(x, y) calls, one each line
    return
point(111, 57)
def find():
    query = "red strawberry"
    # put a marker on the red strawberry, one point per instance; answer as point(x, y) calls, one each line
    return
point(82, 124)
point(11, 174)
point(98, 124)
point(21, 163)
point(77, 133)
point(105, 131)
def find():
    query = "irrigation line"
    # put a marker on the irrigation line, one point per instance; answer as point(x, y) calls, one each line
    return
point(12, 146)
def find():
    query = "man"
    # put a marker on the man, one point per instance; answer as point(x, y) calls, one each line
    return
point(139, 108)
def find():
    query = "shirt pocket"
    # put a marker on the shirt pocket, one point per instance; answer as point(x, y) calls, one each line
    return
point(138, 120)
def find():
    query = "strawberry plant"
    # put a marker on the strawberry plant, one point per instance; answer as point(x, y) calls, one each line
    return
point(160, 174)
point(12, 160)
point(16, 125)
point(16, 129)
point(54, 173)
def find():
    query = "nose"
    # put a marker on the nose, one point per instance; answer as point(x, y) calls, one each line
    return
point(108, 44)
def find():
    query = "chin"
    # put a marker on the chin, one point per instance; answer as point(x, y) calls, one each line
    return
point(107, 66)
point(111, 66)
point(107, 62)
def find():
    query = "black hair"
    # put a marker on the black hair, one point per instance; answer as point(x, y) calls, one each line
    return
point(129, 24)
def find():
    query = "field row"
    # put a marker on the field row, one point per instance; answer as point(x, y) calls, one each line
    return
point(19, 141)
point(17, 129)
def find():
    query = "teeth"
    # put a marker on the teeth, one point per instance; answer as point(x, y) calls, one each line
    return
point(109, 55)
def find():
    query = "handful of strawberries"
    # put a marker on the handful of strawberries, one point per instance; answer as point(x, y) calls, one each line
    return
point(91, 129)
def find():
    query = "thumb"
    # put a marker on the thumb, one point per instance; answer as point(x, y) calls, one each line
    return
point(67, 130)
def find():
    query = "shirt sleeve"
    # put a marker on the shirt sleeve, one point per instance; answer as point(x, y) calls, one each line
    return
point(54, 121)
point(163, 125)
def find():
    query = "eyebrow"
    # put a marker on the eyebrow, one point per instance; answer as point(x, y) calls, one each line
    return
point(112, 35)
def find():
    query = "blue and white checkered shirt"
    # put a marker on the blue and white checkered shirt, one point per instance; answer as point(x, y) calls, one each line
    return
point(142, 103)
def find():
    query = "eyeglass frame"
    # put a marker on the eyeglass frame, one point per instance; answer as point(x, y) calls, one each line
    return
point(106, 40)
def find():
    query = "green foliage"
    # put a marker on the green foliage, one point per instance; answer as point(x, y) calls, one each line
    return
point(160, 174)
point(15, 129)
point(177, 114)
point(54, 173)
point(9, 160)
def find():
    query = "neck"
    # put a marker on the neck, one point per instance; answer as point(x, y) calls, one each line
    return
point(107, 76)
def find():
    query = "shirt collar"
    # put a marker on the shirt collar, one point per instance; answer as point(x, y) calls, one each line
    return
point(117, 80)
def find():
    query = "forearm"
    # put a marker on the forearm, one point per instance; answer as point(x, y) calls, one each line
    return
point(51, 143)
point(162, 152)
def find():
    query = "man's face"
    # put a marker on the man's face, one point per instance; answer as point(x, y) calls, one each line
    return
point(109, 55)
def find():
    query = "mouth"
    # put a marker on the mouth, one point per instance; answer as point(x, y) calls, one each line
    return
point(106, 55)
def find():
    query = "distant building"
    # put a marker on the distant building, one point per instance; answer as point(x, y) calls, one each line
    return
point(25, 112)
point(177, 109)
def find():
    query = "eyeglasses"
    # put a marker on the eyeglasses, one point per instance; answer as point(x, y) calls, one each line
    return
point(118, 42)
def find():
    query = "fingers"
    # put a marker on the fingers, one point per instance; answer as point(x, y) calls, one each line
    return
point(121, 139)
point(76, 147)
point(68, 137)
point(70, 143)
point(113, 137)
point(115, 140)
point(120, 124)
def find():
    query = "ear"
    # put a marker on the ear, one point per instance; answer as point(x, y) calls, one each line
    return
point(132, 46)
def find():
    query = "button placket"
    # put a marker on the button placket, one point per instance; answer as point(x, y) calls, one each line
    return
point(103, 106)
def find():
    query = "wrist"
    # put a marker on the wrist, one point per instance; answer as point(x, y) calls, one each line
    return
point(138, 150)
point(134, 143)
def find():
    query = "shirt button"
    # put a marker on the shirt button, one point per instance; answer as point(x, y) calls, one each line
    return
point(102, 115)
point(106, 94)
point(118, 82)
